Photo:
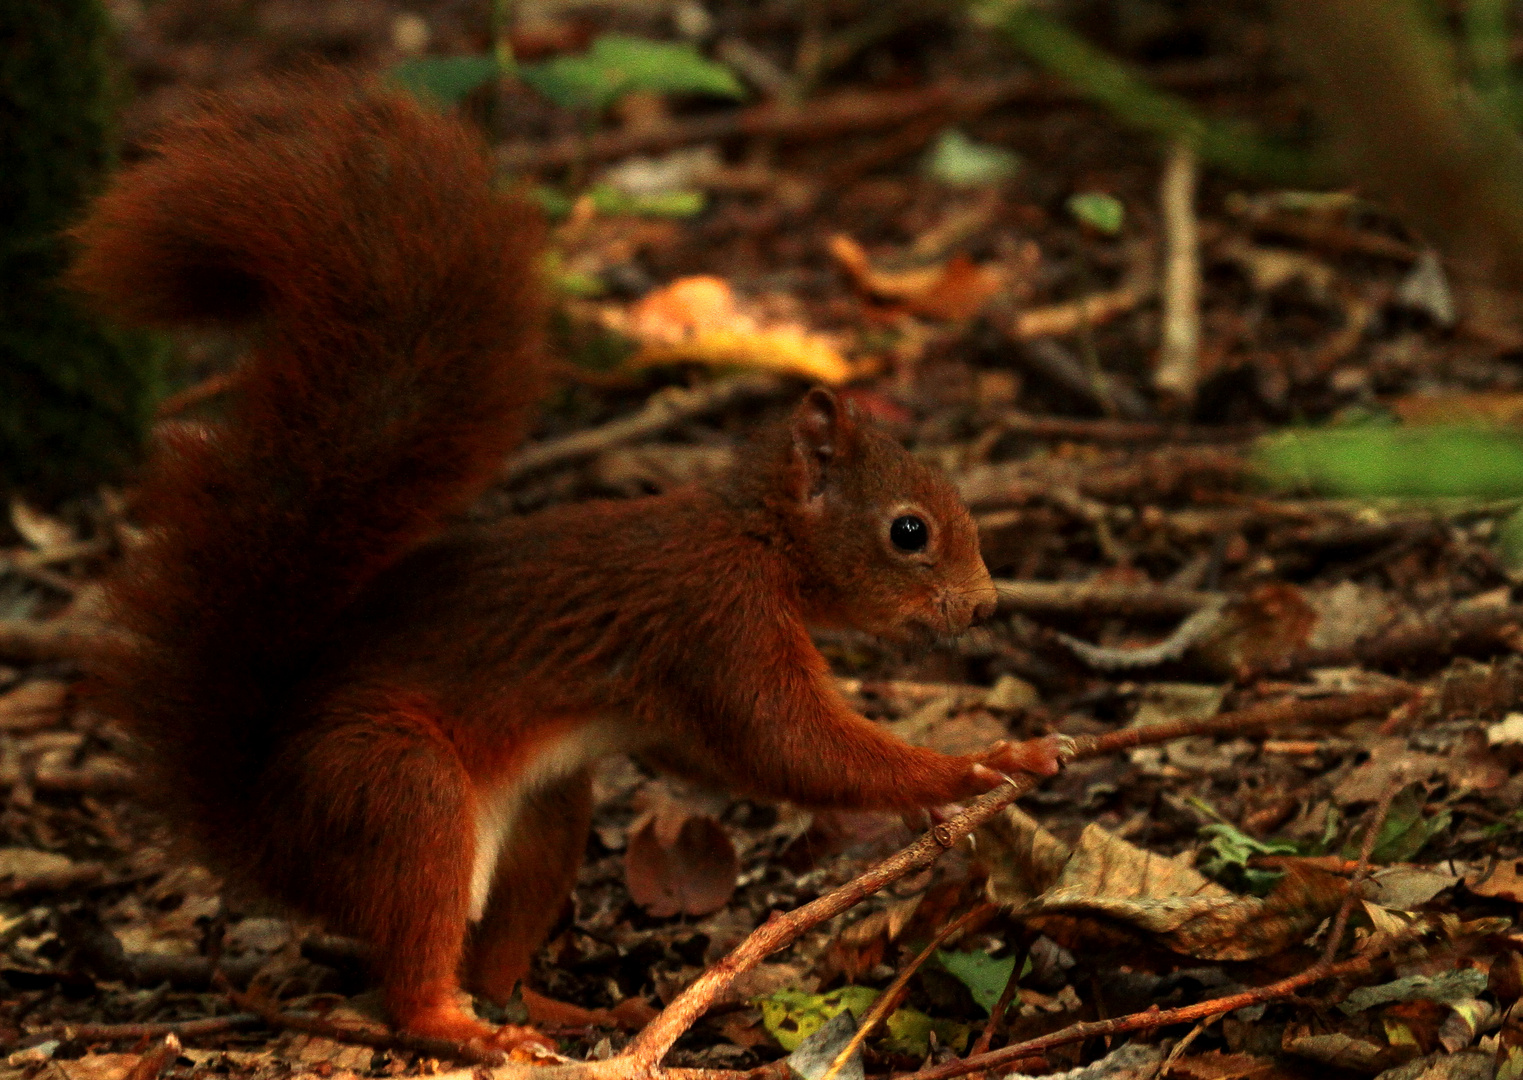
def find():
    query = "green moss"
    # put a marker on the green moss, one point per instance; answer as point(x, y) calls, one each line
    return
point(75, 396)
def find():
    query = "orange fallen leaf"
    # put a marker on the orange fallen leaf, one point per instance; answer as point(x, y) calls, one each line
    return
point(698, 320)
point(955, 289)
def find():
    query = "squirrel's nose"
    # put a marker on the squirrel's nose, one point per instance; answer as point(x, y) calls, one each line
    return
point(984, 612)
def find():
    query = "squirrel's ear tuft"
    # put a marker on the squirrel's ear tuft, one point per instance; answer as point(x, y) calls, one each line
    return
point(818, 425)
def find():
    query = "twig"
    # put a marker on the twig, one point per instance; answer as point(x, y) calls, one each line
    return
point(191, 396)
point(1178, 353)
point(1177, 1051)
point(1154, 1017)
point(1162, 473)
point(1091, 598)
point(1059, 320)
point(1362, 868)
point(1084, 429)
point(182, 1029)
point(662, 411)
point(1195, 629)
point(889, 1000)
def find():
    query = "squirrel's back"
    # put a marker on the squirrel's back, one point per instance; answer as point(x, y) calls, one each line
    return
point(395, 307)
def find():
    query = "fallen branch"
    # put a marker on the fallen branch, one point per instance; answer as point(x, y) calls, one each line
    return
point(663, 411)
point(1154, 1017)
point(1362, 867)
point(1195, 629)
point(1156, 475)
point(1082, 429)
point(1179, 346)
point(181, 1029)
point(1090, 598)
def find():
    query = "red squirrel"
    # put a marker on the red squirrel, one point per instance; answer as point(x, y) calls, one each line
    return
point(355, 705)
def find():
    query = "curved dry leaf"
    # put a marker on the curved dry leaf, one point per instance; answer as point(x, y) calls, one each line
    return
point(952, 290)
point(1106, 888)
point(679, 862)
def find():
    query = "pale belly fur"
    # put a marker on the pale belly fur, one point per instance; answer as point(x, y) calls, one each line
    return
point(552, 761)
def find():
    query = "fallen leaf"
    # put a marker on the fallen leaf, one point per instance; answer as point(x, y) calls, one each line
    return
point(1105, 889)
point(698, 320)
point(1448, 987)
point(792, 1016)
point(953, 290)
point(679, 862)
point(1503, 881)
point(39, 530)
point(983, 975)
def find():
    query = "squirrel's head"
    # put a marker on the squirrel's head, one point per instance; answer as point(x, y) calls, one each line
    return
point(883, 542)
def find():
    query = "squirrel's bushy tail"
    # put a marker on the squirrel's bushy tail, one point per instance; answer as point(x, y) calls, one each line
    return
point(395, 308)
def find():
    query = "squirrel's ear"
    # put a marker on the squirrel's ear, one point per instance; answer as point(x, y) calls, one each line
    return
point(817, 428)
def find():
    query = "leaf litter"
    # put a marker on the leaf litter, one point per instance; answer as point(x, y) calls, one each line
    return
point(920, 270)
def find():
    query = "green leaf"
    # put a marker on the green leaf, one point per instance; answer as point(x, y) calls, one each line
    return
point(1417, 462)
point(958, 161)
point(909, 1032)
point(446, 79)
point(617, 64)
point(1405, 831)
point(1103, 213)
point(1226, 856)
point(791, 1016)
point(983, 975)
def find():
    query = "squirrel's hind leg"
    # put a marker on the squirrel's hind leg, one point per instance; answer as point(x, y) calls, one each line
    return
point(534, 875)
point(376, 813)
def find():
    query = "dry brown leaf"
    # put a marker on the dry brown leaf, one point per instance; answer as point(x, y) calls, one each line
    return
point(39, 530)
point(1267, 624)
point(955, 289)
point(698, 320)
point(1222, 1066)
point(1107, 889)
point(679, 862)
point(1504, 881)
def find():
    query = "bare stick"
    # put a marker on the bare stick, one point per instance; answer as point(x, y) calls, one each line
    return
point(1197, 628)
point(1097, 598)
point(1362, 868)
point(663, 411)
point(1178, 351)
point(182, 1029)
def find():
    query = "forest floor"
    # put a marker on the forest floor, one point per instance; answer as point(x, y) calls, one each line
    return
point(1356, 803)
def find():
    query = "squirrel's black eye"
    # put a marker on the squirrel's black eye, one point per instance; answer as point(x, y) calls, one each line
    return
point(908, 533)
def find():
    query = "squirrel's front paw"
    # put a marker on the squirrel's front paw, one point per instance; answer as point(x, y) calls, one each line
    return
point(1041, 757)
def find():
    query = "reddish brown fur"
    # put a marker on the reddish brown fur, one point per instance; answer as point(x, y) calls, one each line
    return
point(336, 697)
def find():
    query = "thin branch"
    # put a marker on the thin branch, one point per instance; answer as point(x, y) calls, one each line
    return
point(1197, 628)
point(1102, 598)
point(1176, 373)
point(663, 411)
point(181, 1029)
point(1153, 1018)
point(1362, 868)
